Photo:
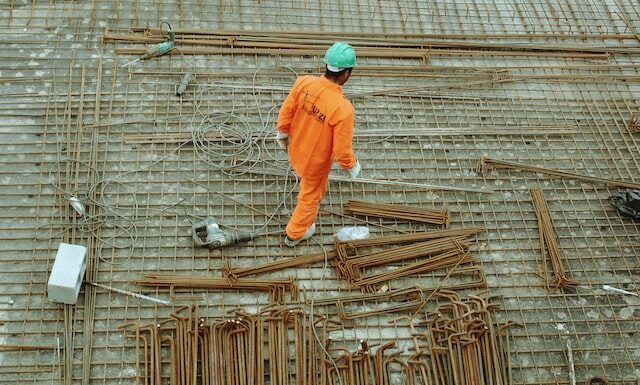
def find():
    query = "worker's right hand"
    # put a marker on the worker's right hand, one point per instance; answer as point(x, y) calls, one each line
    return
point(355, 170)
point(282, 138)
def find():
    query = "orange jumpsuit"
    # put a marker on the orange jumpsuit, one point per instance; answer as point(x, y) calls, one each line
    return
point(319, 120)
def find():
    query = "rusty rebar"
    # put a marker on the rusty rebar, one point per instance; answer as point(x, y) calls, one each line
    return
point(275, 287)
point(227, 351)
point(398, 211)
point(550, 250)
point(464, 345)
point(435, 253)
point(488, 163)
point(277, 265)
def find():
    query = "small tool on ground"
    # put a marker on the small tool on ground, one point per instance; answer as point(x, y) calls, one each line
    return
point(186, 79)
point(158, 49)
point(208, 233)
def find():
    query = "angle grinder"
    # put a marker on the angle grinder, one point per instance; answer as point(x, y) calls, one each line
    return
point(208, 233)
point(158, 49)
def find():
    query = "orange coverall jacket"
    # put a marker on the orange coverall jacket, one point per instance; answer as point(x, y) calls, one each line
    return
point(319, 120)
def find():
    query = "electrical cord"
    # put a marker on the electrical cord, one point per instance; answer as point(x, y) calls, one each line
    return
point(236, 154)
point(238, 149)
point(109, 216)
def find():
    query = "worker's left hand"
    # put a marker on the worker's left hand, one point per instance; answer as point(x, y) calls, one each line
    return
point(282, 138)
point(355, 170)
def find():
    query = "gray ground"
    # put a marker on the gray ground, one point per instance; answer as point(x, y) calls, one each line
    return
point(73, 122)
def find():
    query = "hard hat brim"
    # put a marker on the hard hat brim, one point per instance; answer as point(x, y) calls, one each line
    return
point(334, 68)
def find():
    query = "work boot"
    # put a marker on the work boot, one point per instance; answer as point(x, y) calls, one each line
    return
point(307, 234)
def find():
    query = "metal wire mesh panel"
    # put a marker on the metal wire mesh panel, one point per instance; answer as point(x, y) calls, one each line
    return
point(439, 86)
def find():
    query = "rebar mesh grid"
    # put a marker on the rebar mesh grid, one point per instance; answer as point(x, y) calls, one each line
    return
point(72, 118)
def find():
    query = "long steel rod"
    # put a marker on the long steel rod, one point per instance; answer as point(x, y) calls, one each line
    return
point(132, 294)
point(421, 186)
point(246, 39)
point(488, 163)
point(279, 265)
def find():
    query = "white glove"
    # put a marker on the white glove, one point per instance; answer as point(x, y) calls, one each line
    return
point(282, 138)
point(355, 170)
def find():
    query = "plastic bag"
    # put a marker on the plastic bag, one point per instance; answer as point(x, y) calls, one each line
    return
point(627, 202)
point(352, 233)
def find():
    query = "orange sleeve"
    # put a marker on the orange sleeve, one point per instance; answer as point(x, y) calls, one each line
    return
point(343, 140)
point(288, 108)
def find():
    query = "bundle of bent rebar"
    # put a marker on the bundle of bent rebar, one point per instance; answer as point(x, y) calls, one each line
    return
point(398, 211)
point(458, 345)
point(277, 265)
point(549, 244)
point(276, 346)
point(276, 288)
point(465, 346)
point(440, 249)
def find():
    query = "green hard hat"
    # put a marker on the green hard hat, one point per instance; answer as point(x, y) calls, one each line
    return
point(340, 55)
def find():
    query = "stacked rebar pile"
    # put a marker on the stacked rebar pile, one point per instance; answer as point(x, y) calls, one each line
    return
point(549, 244)
point(362, 367)
point(277, 265)
point(464, 345)
point(180, 337)
point(397, 211)
point(276, 347)
point(277, 288)
point(460, 346)
point(438, 252)
point(239, 354)
point(401, 300)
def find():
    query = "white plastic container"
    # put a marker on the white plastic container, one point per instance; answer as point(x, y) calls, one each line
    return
point(67, 273)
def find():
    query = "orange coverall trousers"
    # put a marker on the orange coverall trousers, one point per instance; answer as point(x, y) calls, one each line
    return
point(312, 190)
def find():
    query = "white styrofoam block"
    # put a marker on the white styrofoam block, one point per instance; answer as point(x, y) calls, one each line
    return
point(67, 273)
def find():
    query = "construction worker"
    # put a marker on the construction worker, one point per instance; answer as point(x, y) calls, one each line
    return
point(315, 124)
